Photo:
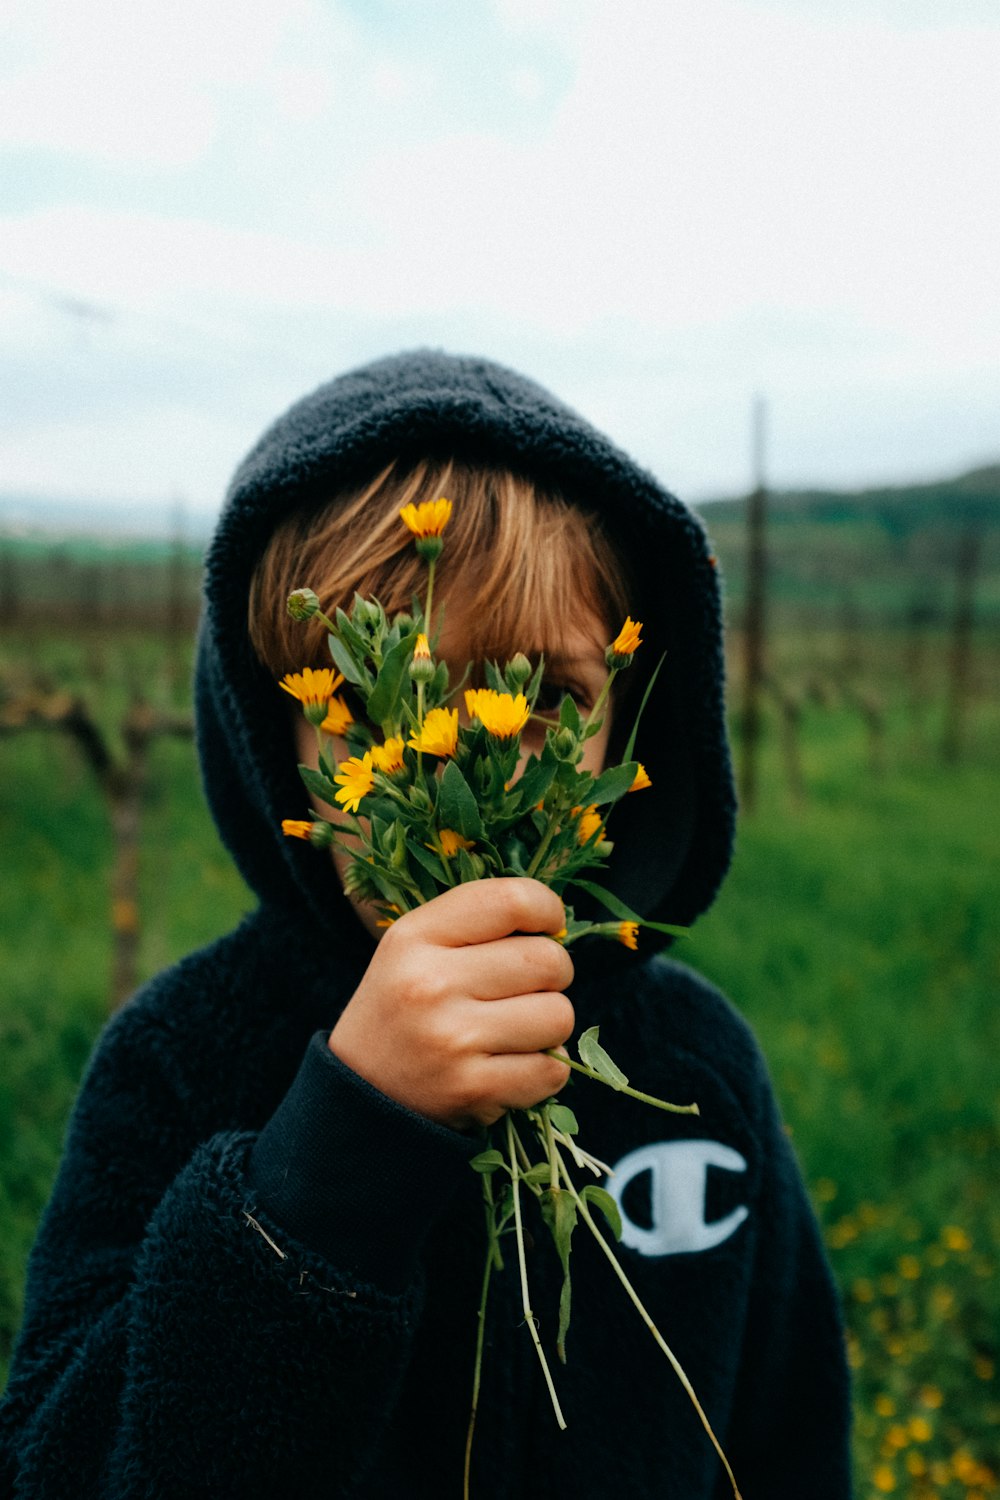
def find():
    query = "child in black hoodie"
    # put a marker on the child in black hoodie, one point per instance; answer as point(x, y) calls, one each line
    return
point(259, 1270)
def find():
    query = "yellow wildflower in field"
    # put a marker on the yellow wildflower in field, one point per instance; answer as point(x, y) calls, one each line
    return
point(641, 781)
point(885, 1406)
point(429, 518)
point(920, 1429)
point(500, 714)
point(628, 933)
point(885, 1479)
point(438, 734)
point(356, 780)
point(955, 1238)
point(388, 758)
point(338, 717)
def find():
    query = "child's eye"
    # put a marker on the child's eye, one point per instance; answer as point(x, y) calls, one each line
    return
point(551, 695)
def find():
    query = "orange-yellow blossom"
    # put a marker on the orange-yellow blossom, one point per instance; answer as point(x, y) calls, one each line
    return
point(641, 781)
point(590, 823)
point(356, 780)
point(295, 828)
point(450, 842)
point(388, 758)
point(338, 717)
point(438, 734)
point(628, 933)
point(429, 518)
point(628, 638)
point(499, 713)
point(311, 687)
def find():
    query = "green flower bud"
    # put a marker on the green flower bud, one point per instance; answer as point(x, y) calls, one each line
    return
point(564, 743)
point(302, 604)
point(321, 835)
point(429, 547)
point(518, 670)
point(419, 799)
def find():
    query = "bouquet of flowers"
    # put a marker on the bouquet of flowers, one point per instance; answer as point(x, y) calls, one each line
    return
point(428, 803)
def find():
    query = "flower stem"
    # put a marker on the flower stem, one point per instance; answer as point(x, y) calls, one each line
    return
point(602, 698)
point(484, 1294)
point(543, 847)
point(623, 1088)
point(616, 1266)
point(525, 1300)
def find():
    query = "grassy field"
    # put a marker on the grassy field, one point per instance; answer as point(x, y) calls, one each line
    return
point(857, 932)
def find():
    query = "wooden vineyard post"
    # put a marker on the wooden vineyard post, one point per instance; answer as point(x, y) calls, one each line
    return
point(754, 618)
point(960, 655)
point(121, 783)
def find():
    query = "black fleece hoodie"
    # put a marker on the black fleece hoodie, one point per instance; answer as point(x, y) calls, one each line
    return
point(258, 1275)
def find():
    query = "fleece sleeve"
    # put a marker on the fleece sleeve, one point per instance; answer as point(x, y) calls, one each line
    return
point(237, 1322)
point(790, 1430)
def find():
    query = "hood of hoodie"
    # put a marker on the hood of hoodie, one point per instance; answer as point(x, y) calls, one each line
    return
point(673, 842)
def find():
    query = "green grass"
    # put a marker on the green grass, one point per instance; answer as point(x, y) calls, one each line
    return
point(857, 932)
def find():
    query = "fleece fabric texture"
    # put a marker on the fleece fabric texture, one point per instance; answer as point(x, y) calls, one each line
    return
point(259, 1275)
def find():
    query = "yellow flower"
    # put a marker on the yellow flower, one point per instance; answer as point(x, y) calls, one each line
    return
point(311, 687)
point(450, 842)
point(429, 518)
point(641, 781)
point(439, 734)
point(313, 690)
point(499, 713)
point(338, 717)
point(590, 823)
point(628, 933)
point(421, 651)
point(628, 638)
point(955, 1238)
point(388, 921)
point(294, 828)
point(921, 1429)
point(356, 780)
point(559, 936)
point(885, 1479)
point(885, 1406)
point(388, 758)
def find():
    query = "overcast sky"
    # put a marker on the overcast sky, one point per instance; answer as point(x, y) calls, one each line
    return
point(658, 209)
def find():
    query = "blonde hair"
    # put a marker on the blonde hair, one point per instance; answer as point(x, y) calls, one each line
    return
point(521, 563)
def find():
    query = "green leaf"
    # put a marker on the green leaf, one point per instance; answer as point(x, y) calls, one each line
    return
point(466, 869)
point(614, 783)
point(569, 714)
point(535, 682)
point(345, 662)
point(321, 786)
point(536, 1175)
point(645, 699)
point(429, 860)
point(383, 704)
point(559, 1212)
point(624, 913)
point(457, 808)
point(603, 1200)
point(494, 677)
point(487, 1161)
point(593, 1054)
point(563, 1118)
point(535, 782)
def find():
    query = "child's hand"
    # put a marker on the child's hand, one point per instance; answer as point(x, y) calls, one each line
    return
point(453, 1014)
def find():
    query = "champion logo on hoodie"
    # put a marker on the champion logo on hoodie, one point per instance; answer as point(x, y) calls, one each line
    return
point(677, 1189)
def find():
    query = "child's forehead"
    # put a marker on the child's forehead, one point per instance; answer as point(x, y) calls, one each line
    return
point(469, 633)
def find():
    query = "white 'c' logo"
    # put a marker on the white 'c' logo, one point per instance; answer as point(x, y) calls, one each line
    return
point(677, 1196)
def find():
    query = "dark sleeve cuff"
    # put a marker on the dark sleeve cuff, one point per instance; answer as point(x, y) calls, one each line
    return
point(352, 1174)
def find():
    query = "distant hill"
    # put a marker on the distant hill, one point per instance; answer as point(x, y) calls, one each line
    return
point(876, 553)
